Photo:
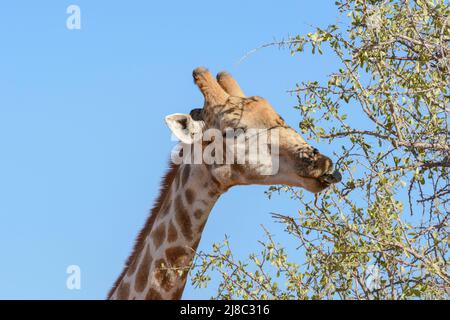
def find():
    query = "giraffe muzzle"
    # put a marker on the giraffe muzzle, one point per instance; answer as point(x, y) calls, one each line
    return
point(331, 178)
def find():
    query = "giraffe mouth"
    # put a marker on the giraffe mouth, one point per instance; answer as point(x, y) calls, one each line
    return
point(331, 177)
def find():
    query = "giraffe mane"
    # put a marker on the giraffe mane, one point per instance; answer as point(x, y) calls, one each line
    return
point(166, 182)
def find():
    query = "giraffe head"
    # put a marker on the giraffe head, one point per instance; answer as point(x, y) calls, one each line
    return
point(235, 120)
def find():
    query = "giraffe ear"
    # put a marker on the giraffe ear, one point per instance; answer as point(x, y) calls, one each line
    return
point(184, 127)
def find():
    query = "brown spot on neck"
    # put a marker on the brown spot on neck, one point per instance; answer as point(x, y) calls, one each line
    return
point(177, 257)
point(183, 219)
point(198, 213)
point(158, 235)
point(152, 294)
point(190, 196)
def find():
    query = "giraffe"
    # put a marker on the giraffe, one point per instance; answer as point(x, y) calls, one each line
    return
point(164, 249)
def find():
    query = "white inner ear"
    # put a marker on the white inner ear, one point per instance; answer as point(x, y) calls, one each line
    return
point(184, 127)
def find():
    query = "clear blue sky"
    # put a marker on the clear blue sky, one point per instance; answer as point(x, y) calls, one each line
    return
point(82, 138)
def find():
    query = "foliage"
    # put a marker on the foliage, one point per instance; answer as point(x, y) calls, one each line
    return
point(383, 233)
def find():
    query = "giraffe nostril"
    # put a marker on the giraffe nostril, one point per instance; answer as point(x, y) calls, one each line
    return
point(315, 151)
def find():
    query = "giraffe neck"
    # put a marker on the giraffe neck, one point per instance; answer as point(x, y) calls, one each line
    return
point(159, 268)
